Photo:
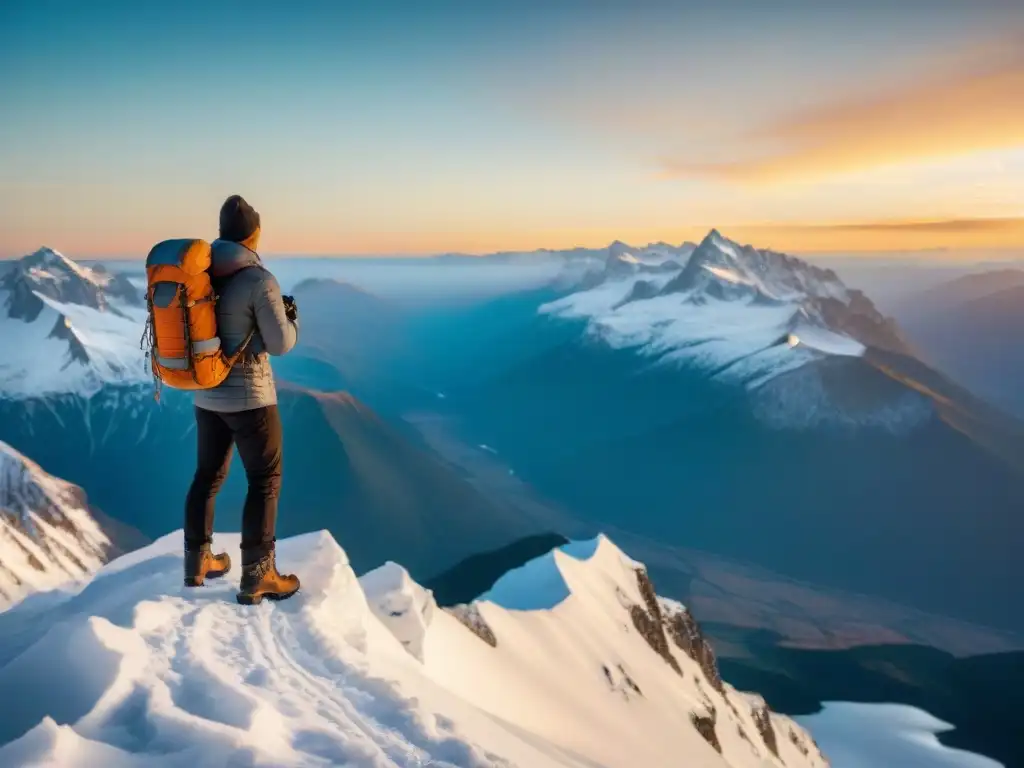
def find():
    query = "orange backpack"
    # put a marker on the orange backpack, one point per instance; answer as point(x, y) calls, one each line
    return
point(184, 349)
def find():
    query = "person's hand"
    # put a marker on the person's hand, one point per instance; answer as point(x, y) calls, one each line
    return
point(291, 309)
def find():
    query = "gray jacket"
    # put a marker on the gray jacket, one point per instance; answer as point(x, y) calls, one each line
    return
point(249, 297)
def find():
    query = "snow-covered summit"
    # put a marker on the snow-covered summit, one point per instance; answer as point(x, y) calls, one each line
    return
point(48, 537)
point(721, 268)
point(136, 670)
point(52, 275)
point(67, 328)
point(740, 313)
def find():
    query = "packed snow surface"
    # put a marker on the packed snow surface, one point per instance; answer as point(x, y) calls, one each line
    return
point(883, 735)
point(136, 670)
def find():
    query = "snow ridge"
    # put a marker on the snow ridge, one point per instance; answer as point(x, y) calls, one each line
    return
point(48, 538)
point(136, 670)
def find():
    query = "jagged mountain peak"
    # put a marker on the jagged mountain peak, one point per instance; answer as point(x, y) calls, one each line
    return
point(723, 268)
point(744, 314)
point(67, 328)
point(618, 249)
point(50, 258)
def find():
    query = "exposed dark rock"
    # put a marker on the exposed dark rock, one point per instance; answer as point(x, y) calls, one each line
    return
point(763, 723)
point(861, 319)
point(705, 725)
point(798, 743)
point(689, 637)
point(624, 684)
point(76, 350)
point(649, 623)
point(470, 617)
point(629, 681)
point(642, 290)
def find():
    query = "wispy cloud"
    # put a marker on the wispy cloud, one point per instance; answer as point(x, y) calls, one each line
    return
point(977, 106)
point(881, 236)
point(949, 226)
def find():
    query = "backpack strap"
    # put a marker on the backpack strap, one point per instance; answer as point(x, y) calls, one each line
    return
point(232, 359)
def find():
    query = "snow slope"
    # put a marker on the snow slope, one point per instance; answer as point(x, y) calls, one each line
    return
point(67, 328)
point(136, 670)
point(48, 538)
point(741, 314)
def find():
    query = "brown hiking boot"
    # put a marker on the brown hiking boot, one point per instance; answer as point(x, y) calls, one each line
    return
point(202, 563)
point(260, 579)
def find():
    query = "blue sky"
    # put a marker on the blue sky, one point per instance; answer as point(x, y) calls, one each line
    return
point(415, 128)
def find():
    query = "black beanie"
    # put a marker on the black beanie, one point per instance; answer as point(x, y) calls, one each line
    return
point(238, 219)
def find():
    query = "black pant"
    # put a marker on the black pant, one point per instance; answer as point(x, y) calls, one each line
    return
point(257, 433)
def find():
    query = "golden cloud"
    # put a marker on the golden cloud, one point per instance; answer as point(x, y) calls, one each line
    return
point(978, 107)
point(980, 233)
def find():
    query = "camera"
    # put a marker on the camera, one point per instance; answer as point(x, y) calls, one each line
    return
point(291, 310)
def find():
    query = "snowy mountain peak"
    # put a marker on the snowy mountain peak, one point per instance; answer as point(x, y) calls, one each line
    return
point(181, 676)
point(67, 328)
point(55, 261)
point(722, 268)
point(47, 535)
point(49, 274)
point(715, 238)
point(743, 314)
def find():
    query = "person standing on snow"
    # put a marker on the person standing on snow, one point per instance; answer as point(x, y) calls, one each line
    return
point(242, 411)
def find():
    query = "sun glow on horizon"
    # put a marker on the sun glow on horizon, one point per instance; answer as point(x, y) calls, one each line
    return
point(418, 131)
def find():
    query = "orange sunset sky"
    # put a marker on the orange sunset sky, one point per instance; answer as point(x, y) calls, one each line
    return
point(403, 129)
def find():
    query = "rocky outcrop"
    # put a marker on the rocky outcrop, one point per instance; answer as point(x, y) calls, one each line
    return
point(641, 291)
point(620, 680)
point(648, 620)
point(469, 616)
point(689, 638)
point(705, 725)
point(762, 717)
point(62, 330)
point(859, 318)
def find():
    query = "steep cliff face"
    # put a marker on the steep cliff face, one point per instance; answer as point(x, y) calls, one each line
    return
point(689, 637)
point(48, 536)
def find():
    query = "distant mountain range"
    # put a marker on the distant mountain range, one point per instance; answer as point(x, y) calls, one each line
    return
point(91, 418)
point(973, 329)
point(752, 405)
point(709, 395)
